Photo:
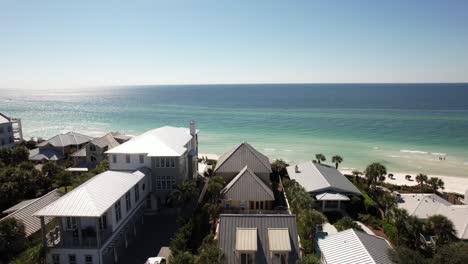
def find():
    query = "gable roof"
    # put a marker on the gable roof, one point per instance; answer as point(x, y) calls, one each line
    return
point(107, 140)
point(246, 186)
point(67, 139)
point(19, 206)
point(94, 197)
point(4, 119)
point(229, 224)
point(423, 206)
point(26, 214)
point(240, 156)
point(354, 247)
point(315, 177)
point(165, 141)
point(45, 154)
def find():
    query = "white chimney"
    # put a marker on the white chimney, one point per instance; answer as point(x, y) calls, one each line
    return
point(296, 168)
point(193, 131)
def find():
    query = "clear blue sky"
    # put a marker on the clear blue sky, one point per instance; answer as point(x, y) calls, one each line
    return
point(51, 44)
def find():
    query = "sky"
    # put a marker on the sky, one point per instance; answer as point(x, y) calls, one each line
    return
point(60, 44)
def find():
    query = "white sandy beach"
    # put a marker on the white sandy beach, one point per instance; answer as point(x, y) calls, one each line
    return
point(452, 183)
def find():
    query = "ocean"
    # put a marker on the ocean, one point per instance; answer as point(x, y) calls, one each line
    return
point(407, 127)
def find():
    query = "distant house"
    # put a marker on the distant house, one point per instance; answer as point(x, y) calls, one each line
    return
point(10, 131)
point(58, 147)
point(24, 211)
point(247, 192)
point(232, 162)
point(325, 183)
point(94, 151)
point(354, 247)
point(424, 205)
point(258, 238)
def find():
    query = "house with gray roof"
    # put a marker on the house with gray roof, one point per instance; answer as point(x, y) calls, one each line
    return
point(354, 247)
point(25, 211)
point(247, 192)
point(232, 162)
point(325, 183)
point(258, 238)
point(58, 147)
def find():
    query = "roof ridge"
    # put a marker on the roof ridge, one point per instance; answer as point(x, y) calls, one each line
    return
point(256, 153)
point(262, 184)
point(235, 179)
point(229, 154)
point(321, 175)
point(362, 244)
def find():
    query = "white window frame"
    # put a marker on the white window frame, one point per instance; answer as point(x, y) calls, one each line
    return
point(128, 159)
point(88, 261)
point(70, 261)
point(128, 201)
point(114, 158)
point(136, 191)
point(142, 158)
point(118, 211)
point(70, 223)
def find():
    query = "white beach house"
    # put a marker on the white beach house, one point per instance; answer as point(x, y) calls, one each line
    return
point(96, 221)
point(10, 131)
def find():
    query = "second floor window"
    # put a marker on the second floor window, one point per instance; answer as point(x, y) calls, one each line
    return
point(136, 189)
point(92, 147)
point(246, 258)
point(114, 158)
point(71, 223)
point(128, 202)
point(88, 259)
point(72, 259)
point(118, 213)
point(127, 158)
point(280, 258)
point(103, 222)
point(142, 159)
point(9, 128)
point(1, 130)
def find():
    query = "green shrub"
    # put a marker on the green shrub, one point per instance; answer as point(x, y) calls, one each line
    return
point(347, 223)
point(391, 232)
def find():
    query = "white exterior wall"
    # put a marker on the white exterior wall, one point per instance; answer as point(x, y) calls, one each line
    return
point(6, 136)
point(79, 253)
point(122, 165)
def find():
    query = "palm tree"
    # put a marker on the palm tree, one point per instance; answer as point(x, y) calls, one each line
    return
point(337, 160)
point(320, 158)
point(421, 179)
point(64, 179)
point(356, 175)
point(436, 183)
point(374, 172)
point(184, 193)
point(399, 217)
point(442, 227)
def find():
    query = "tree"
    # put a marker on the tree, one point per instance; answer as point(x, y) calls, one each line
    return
point(19, 154)
point(320, 158)
point(12, 238)
point(421, 179)
point(64, 179)
point(337, 160)
point(278, 167)
point(387, 202)
point(209, 252)
point(306, 225)
point(399, 218)
point(455, 253)
point(101, 167)
point(51, 170)
point(213, 210)
point(347, 223)
point(436, 184)
point(443, 229)
point(182, 258)
point(185, 192)
point(403, 255)
point(356, 175)
point(215, 185)
point(373, 172)
point(309, 259)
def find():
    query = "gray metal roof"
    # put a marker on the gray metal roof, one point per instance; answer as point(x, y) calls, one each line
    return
point(26, 214)
point(229, 223)
point(19, 206)
point(315, 177)
point(67, 139)
point(45, 154)
point(354, 247)
point(244, 154)
point(107, 140)
point(246, 186)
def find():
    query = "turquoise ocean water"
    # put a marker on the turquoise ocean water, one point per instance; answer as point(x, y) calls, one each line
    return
point(405, 126)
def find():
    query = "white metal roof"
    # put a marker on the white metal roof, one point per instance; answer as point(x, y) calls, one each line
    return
point(246, 239)
point(354, 247)
point(331, 197)
point(19, 206)
point(94, 197)
point(4, 119)
point(316, 177)
point(426, 205)
point(165, 141)
point(278, 239)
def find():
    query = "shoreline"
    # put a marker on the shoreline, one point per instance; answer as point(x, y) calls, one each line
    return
point(452, 183)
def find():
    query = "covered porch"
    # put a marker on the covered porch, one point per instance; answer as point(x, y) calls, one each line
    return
point(331, 201)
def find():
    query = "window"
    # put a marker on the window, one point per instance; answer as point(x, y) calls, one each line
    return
point(71, 223)
point(93, 159)
point(128, 202)
point(92, 147)
point(127, 158)
point(114, 158)
point(9, 128)
point(1, 130)
point(55, 259)
point(172, 163)
point(142, 159)
point(163, 162)
point(136, 189)
point(246, 258)
point(88, 259)
point(242, 205)
point(280, 258)
point(72, 259)
point(228, 205)
point(118, 213)
point(158, 164)
point(167, 162)
point(165, 182)
point(103, 222)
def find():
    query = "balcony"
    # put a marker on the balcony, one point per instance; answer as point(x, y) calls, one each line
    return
point(71, 238)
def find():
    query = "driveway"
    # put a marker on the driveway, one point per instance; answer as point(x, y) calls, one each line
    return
point(156, 233)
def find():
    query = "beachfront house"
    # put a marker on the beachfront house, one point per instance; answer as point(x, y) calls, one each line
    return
point(354, 247)
point(95, 151)
point(58, 147)
point(231, 163)
point(10, 131)
point(258, 238)
point(170, 152)
point(326, 184)
point(97, 220)
point(247, 192)
point(424, 205)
